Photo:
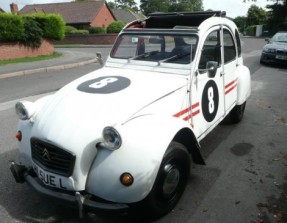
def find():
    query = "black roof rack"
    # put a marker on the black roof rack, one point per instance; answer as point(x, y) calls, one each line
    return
point(171, 19)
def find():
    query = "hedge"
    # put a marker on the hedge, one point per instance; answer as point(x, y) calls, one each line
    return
point(251, 30)
point(115, 27)
point(11, 27)
point(30, 29)
point(69, 29)
point(33, 33)
point(93, 30)
point(53, 25)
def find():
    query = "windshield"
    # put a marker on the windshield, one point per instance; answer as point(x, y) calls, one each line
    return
point(280, 37)
point(161, 48)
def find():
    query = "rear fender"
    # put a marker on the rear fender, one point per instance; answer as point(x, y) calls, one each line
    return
point(243, 84)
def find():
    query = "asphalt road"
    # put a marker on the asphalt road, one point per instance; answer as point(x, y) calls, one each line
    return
point(244, 181)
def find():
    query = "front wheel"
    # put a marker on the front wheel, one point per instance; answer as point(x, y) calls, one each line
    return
point(237, 113)
point(170, 182)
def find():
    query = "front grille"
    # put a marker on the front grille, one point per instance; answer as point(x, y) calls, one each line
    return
point(52, 158)
point(281, 52)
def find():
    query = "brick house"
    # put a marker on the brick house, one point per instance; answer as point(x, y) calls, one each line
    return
point(78, 14)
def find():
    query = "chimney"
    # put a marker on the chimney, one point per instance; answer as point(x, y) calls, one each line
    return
point(14, 8)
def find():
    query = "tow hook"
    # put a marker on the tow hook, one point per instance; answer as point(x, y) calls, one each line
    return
point(18, 172)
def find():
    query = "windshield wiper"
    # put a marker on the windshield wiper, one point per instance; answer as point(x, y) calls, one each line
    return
point(175, 57)
point(147, 54)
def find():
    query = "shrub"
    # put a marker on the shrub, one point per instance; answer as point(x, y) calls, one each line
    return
point(80, 31)
point(251, 30)
point(115, 27)
point(69, 29)
point(11, 27)
point(33, 33)
point(53, 25)
point(97, 30)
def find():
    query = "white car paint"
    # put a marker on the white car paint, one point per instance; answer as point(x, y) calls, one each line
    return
point(153, 101)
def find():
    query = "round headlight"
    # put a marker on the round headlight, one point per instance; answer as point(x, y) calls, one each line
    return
point(24, 109)
point(112, 139)
point(269, 50)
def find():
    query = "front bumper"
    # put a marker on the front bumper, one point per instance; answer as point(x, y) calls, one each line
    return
point(83, 200)
point(271, 58)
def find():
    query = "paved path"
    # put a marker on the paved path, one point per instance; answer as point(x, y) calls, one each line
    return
point(72, 57)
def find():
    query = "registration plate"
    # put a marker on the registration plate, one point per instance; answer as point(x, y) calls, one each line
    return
point(50, 179)
point(280, 57)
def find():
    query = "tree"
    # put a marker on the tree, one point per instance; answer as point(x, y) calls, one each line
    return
point(126, 4)
point(240, 21)
point(185, 5)
point(149, 6)
point(277, 1)
point(277, 16)
point(256, 16)
point(112, 5)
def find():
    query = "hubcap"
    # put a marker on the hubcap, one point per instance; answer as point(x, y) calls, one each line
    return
point(171, 180)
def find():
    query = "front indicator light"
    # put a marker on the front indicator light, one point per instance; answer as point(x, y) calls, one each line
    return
point(126, 179)
point(19, 136)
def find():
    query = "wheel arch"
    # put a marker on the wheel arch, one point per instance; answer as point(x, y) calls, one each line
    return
point(243, 84)
point(187, 138)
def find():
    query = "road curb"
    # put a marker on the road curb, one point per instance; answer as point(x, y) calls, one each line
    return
point(47, 69)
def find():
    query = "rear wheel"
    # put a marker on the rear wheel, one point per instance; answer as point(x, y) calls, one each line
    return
point(237, 113)
point(170, 182)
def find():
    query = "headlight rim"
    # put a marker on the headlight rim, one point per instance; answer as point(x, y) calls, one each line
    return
point(113, 133)
point(24, 110)
point(269, 50)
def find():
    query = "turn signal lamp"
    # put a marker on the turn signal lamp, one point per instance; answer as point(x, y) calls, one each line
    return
point(127, 179)
point(19, 136)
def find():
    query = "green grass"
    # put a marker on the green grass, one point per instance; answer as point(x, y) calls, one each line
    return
point(67, 45)
point(30, 59)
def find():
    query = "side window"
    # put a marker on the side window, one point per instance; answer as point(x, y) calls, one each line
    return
point(238, 42)
point(229, 47)
point(210, 50)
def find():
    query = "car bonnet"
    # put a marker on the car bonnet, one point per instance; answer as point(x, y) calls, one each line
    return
point(106, 97)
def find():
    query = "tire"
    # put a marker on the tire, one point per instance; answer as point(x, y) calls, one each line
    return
point(237, 113)
point(170, 182)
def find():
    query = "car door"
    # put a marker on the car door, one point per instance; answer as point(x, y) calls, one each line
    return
point(229, 69)
point(207, 89)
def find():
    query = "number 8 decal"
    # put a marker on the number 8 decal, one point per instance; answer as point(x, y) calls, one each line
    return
point(103, 82)
point(209, 101)
point(104, 85)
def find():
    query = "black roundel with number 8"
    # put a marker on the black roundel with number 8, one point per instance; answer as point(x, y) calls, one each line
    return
point(210, 101)
point(104, 85)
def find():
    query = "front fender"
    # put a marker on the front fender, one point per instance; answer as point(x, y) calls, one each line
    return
point(243, 84)
point(145, 140)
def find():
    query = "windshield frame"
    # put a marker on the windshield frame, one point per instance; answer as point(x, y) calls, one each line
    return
point(185, 33)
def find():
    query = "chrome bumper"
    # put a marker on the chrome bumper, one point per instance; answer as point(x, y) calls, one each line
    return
point(22, 174)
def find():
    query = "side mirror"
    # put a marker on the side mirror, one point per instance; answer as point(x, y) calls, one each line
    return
point(100, 59)
point(267, 40)
point(211, 67)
